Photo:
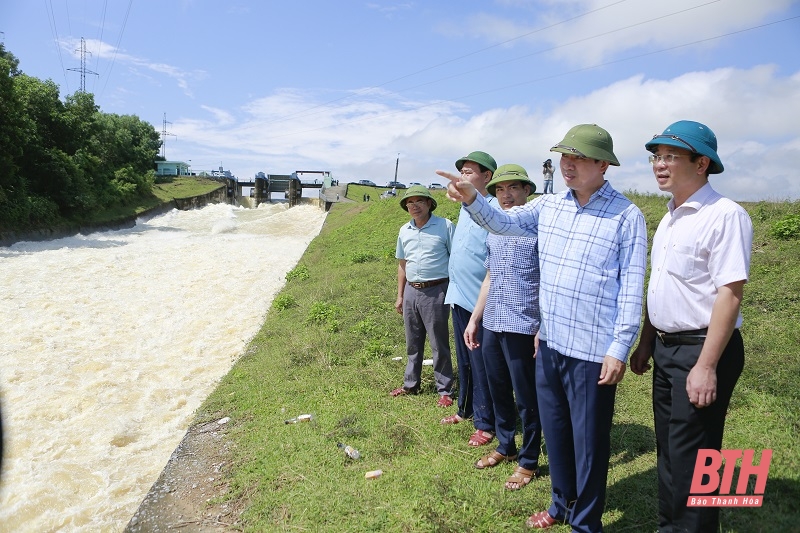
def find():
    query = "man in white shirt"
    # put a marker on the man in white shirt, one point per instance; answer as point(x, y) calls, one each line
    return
point(700, 263)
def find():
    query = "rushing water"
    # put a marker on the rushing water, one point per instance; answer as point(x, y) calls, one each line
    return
point(109, 342)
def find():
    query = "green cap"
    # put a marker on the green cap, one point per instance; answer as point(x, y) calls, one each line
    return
point(482, 158)
point(417, 190)
point(588, 140)
point(510, 173)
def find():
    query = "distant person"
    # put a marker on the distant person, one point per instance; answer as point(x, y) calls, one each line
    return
point(700, 263)
point(466, 275)
point(423, 251)
point(547, 171)
point(508, 307)
point(592, 245)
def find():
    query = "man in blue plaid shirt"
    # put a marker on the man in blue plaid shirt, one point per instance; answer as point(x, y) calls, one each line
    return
point(592, 254)
point(508, 312)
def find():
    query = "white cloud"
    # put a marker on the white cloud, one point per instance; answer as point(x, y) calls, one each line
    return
point(589, 32)
point(751, 111)
point(115, 56)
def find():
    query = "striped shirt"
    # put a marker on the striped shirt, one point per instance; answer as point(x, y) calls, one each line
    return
point(592, 262)
point(512, 305)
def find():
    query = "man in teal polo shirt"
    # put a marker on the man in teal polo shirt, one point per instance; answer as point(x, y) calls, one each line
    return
point(466, 276)
point(423, 251)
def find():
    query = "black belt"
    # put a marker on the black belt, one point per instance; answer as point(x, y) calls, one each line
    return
point(694, 336)
point(426, 284)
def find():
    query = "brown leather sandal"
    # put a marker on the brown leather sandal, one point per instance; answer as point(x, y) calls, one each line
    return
point(521, 477)
point(493, 459)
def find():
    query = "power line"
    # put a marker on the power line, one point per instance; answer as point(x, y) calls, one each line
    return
point(536, 80)
point(119, 41)
point(100, 40)
point(54, 30)
point(305, 112)
point(553, 48)
point(473, 70)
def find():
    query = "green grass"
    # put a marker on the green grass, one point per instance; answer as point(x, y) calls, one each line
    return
point(184, 187)
point(327, 349)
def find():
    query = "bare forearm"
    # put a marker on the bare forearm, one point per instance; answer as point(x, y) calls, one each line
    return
point(723, 322)
point(401, 279)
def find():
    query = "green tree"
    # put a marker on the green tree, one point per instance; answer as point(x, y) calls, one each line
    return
point(12, 188)
point(61, 160)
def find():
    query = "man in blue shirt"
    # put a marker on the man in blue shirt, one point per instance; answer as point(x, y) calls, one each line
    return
point(423, 251)
point(508, 305)
point(466, 275)
point(592, 252)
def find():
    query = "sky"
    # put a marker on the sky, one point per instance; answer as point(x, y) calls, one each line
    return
point(351, 86)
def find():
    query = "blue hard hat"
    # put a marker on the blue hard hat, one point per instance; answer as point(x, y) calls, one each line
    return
point(693, 136)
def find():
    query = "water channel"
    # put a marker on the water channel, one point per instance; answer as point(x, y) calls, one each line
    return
point(109, 342)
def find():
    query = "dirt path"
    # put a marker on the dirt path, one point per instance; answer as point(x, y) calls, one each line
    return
point(194, 474)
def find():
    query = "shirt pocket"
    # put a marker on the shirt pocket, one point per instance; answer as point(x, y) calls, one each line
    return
point(681, 260)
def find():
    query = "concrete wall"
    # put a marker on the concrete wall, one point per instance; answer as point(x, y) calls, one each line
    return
point(217, 196)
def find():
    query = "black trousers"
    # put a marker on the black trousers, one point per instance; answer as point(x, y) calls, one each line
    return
point(682, 429)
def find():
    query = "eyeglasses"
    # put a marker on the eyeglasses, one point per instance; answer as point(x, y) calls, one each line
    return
point(416, 202)
point(666, 158)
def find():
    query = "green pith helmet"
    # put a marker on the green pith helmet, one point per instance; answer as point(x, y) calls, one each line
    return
point(417, 190)
point(588, 140)
point(510, 173)
point(482, 158)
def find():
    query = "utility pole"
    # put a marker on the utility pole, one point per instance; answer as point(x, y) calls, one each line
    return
point(83, 70)
point(397, 164)
point(164, 134)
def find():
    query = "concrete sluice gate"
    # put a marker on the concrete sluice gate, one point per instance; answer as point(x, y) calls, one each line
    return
point(112, 340)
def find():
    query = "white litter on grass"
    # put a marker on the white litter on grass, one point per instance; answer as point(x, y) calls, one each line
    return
point(225, 420)
point(397, 358)
point(427, 362)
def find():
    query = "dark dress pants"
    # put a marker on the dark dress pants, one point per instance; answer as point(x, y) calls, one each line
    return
point(474, 400)
point(511, 370)
point(576, 415)
point(682, 429)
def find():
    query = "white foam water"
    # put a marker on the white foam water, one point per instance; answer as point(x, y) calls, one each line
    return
point(109, 342)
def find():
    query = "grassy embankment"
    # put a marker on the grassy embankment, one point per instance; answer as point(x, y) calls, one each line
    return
point(179, 187)
point(326, 348)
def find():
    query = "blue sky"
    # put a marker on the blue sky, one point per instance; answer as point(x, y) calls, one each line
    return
point(346, 86)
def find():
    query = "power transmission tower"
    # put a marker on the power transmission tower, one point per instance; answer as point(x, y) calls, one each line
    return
point(164, 134)
point(83, 70)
